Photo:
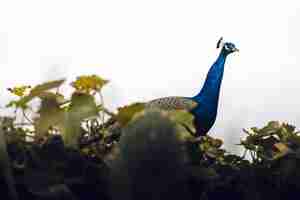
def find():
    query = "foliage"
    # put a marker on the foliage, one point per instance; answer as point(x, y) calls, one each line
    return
point(34, 92)
point(272, 142)
point(148, 150)
point(59, 115)
point(66, 130)
point(56, 112)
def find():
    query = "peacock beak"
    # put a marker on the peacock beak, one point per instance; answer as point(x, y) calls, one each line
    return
point(236, 50)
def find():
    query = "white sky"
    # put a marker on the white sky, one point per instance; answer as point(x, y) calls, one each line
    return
point(157, 48)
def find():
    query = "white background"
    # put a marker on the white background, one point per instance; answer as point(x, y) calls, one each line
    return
point(157, 48)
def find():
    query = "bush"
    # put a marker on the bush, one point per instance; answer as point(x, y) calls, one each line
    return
point(75, 148)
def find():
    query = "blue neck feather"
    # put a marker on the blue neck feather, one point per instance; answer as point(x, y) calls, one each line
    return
point(206, 112)
point(210, 91)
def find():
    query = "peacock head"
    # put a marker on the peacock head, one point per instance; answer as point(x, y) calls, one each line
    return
point(227, 47)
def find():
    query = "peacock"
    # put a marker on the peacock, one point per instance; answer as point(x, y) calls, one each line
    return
point(204, 105)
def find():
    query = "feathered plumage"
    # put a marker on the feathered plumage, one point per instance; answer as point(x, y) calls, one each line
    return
point(172, 103)
point(204, 105)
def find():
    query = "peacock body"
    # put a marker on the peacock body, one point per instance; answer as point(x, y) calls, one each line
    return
point(204, 105)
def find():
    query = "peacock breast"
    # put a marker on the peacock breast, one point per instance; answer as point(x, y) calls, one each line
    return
point(204, 118)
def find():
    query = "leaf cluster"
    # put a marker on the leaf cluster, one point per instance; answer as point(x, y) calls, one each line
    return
point(272, 142)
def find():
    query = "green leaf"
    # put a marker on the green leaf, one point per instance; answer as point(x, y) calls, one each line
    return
point(82, 106)
point(272, 128)
point(127, 113)
point(21, 103)
point(51, 115)
point(37, 90)
point(40, 90)
point(289, 128)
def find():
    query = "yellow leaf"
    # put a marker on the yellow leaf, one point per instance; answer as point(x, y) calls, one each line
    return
point(87, 84)
point(19, 90)
point(281, 147)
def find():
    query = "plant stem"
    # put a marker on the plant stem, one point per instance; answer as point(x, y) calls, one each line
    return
point(26, 117)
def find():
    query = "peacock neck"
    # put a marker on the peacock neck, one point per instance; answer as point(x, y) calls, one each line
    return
point(211, 88)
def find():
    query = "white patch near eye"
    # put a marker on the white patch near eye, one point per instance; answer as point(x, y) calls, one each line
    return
point(222, 44)
point(226, 47)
